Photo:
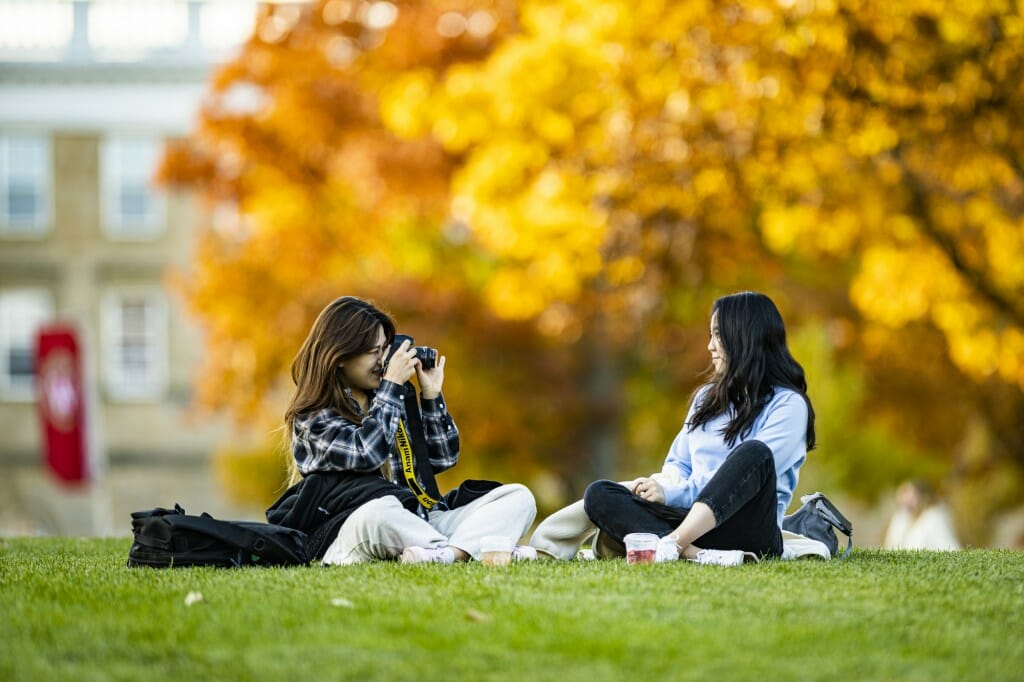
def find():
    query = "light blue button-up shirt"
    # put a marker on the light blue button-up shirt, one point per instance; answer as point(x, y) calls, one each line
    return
point(696, 455)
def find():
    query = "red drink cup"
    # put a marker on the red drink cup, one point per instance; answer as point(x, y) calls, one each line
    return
point(641, 548)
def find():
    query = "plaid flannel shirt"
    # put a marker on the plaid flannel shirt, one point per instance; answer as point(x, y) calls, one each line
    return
point(326, 441)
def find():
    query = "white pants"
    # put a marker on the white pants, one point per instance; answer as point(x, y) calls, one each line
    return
point(563, 533)
point(382, 528)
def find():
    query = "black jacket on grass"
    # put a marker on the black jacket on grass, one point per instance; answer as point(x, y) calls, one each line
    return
point(319, 503)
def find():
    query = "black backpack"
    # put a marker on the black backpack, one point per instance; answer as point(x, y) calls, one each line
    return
point(818, 519)
point(169, 538)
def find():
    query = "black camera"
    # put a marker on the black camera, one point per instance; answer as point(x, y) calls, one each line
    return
point(426, 354)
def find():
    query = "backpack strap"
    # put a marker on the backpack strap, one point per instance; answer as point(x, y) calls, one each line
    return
point(836, 518)
point(140, 516)
point(849, 547)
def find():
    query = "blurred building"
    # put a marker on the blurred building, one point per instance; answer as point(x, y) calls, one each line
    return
point(89, 92)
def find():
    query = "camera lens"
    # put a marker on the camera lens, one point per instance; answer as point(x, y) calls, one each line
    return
point(427, 356)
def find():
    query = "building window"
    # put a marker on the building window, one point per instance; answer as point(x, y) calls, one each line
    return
point(24, 184)
point(22, 313)
point(132, 208)
point(135, 344)
point(119, 26)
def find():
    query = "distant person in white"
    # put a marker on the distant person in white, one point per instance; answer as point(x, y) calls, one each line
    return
point(920, 521)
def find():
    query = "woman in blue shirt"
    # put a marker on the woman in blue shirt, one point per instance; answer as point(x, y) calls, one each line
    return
point(730, 473)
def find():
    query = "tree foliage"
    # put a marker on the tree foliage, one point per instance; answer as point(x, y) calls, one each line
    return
point(558, 189)
point(827, 128)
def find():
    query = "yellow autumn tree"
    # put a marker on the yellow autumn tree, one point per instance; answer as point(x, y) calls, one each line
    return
point(607, 138)
point(560, 189)
point(829, 128)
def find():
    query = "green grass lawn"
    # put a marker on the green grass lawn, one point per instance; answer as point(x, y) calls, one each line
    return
point(71, 610)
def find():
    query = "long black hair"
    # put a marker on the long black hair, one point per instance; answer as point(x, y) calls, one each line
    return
point(757, 362)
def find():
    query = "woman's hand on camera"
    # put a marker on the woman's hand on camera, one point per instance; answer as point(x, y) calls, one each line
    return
point(431, 380)
point(402, 365)
point(649, 489)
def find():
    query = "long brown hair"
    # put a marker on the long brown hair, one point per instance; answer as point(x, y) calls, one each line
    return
point(347, 327)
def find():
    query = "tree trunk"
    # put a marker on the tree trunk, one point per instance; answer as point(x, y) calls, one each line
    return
point(605, 401)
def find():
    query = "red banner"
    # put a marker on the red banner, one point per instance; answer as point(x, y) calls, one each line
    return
point(61, 402)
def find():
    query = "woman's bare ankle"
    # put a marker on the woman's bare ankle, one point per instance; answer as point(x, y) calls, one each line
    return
point(690, 552)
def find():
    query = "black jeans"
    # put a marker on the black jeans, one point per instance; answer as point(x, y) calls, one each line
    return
point(741, 495)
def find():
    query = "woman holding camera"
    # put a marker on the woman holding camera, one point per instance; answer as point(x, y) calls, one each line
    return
point(730, 473)
point(353, 494)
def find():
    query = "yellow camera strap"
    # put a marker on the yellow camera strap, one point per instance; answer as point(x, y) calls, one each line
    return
point(408, 459)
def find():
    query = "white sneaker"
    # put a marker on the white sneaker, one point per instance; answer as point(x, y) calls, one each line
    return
point(425, 555)
point(585, 555)
point(667, 550)
point(523, 553)
point(724, 557)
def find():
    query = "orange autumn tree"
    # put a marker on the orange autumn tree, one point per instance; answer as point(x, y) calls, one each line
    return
point(310, 195)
